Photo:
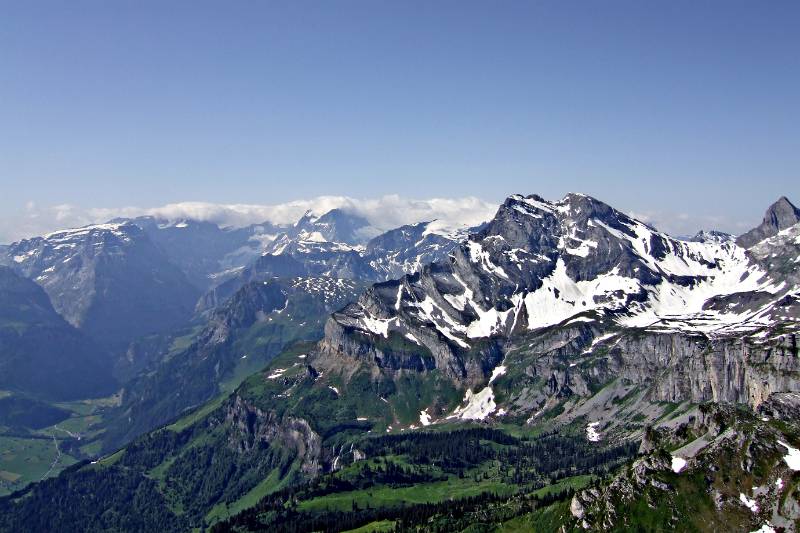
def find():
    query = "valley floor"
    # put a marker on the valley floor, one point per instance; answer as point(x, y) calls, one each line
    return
point(43, 448)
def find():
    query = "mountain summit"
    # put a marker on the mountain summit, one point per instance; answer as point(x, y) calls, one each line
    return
point(781, 215)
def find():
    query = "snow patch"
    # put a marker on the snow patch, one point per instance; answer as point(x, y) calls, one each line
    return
point(592, 435)
point(478, 255)
point(377, 325)
point(560, 297)
point(424, 418)
point(478, 405)
point(678, 463)
point(410, 336)
point(792, 458)
point(314, 236)
point(750, 504)
point(445, 324)
point(497, 372)
point(583, 249)
point(278, 372)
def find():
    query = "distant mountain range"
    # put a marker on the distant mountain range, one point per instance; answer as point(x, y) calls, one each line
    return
point(109, 280)
point(480, 367)
point(338, 245)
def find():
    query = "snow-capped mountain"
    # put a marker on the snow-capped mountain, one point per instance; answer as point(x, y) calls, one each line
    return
point(407, 249)
point(337, 245)
point(566, 319)
point(546, 286)
point(334, 227)
point(540, 263)
point(109, 280)
point(712, 236)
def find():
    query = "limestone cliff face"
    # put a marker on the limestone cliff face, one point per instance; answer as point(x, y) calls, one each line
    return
point(253, 428)
point(344, 348)
point(728, 370)
point(672, 367)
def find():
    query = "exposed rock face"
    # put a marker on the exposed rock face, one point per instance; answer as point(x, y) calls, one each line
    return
point(255, 428)
point(696, 369)
point(780, 255)
point(783, 406)
point(780, 215)
point(587, 370)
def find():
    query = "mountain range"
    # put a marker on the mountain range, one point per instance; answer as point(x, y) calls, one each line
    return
point(108, 280)
point(563, 366)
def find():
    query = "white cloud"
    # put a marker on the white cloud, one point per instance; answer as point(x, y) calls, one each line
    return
point(384, 213)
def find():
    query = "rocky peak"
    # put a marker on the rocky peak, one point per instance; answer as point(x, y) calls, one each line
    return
point(538, 264)
point(308, 218)
point(712, 236)
point(335, 226)
point(780, 216)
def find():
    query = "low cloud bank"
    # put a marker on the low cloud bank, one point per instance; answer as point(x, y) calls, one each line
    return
point(384, 213)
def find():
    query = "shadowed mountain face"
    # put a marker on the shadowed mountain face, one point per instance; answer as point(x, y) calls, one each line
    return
point(240, 337)
point(203, 250)
point(109, 280)
point(780, 216)
point(41, 355)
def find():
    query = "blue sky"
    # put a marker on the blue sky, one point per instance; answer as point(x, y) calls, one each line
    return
point(670, 109)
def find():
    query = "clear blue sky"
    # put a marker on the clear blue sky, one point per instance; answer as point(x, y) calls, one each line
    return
point(670, 106)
